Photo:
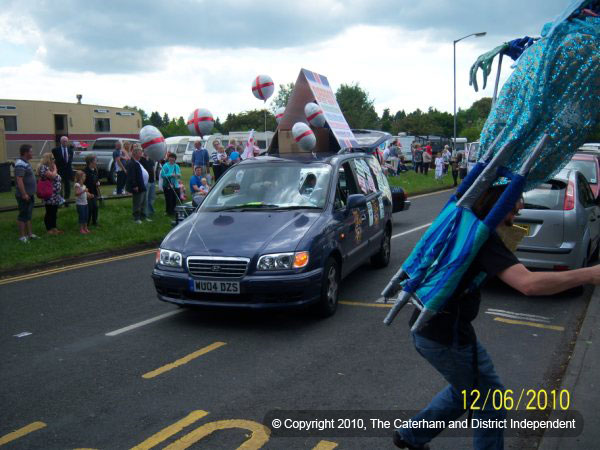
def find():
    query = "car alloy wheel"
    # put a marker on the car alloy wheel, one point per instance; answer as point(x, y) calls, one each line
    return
point(332, 286)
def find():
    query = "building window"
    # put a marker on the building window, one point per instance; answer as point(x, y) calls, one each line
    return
point(10, 123)
point(102, 125)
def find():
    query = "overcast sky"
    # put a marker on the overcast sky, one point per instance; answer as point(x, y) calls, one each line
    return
point(176, 56)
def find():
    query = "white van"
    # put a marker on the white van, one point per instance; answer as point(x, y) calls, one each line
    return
point(461, 144)
point(177, 145)
point(261, 139)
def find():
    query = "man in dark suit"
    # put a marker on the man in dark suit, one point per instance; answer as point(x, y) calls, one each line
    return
point(63, 157)
point(137, 182)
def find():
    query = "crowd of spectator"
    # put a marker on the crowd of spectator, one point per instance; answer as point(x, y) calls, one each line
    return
point(138, 175)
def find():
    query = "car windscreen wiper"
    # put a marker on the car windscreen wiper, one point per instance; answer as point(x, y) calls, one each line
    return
point(298, 207)
point(249, 205)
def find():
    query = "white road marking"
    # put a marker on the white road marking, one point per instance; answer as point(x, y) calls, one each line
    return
point(411, 230)
point(23, 334)
point(144, 322)
point(520, 316)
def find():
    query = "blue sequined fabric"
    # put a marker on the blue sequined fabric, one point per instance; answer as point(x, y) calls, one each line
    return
point(554, 89)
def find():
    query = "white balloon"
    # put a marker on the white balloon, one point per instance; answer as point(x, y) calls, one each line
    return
point(314, 114)
point(153, 142)
point(263, 87)
point(279, 114)
point(304, 136)
point(200, 122)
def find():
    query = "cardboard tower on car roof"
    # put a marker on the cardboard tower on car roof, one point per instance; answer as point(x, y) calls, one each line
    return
point(336, 134)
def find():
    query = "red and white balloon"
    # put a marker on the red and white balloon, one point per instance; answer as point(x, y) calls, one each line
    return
point(263, 87)
point(314, 114)
point(153, 143)
point(304, 136)
point(279, 114)
point(200, 122)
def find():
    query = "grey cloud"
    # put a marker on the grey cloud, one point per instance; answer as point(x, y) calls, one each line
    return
point(126, 36)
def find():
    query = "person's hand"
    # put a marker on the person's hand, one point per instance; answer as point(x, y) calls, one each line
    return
point(135, 189)
point(484, 62)
point(26, 197)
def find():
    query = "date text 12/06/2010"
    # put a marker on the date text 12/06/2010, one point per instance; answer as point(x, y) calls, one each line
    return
point(509, 400)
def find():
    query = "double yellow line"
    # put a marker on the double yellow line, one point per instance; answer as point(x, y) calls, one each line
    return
point(45, 273)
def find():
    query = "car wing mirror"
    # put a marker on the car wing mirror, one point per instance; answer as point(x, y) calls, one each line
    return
point(356, 201)
point(398, 198)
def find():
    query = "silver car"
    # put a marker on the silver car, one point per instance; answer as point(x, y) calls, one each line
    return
point(563, 224)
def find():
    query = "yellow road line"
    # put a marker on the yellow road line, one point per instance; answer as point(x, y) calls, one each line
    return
point(259, 434)
point(171, 430)
point(21, 432)
point(44, 273)
point(370, 305)
point(530, 324)
point(184, 360)
point(325, 445)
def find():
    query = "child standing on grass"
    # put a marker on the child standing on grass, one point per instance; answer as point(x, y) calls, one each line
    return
point(439, 167)
point(81, 200)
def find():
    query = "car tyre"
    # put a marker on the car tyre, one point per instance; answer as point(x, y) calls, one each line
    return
point(382, 257)
point(330, 289)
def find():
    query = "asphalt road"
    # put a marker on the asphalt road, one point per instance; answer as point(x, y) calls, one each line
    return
point(210, 377)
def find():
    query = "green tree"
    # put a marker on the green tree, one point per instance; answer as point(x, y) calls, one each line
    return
point(282, 97)
point(218, 126)
point(156, 119)
point(386, 121)
point(356, 106)
point(248, 120)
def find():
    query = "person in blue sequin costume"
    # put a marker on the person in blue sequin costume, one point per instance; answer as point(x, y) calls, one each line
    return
point(554, 89)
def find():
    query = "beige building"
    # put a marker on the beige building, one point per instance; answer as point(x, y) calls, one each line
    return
point(41, 124)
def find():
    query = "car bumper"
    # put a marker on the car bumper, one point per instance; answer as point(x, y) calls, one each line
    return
point(406, 205)
point(549, 257)
point(256, 292)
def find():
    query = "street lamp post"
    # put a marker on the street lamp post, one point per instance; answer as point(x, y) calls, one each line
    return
point(483, 33)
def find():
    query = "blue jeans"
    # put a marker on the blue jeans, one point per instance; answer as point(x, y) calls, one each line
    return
point(82, 211)
point(455, 364)
point(151, 188)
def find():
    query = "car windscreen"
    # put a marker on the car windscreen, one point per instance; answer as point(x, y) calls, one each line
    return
point(270, 186)
point(586, 167)
point(550, 195)
point(104, 145)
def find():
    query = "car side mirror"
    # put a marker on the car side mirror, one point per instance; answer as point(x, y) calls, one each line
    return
point(356, 201)
point(398, 198)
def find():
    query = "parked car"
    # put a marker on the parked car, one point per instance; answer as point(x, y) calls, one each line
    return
point(562, 219)
point(589, 165)
point(103, 148)
point(279, 233)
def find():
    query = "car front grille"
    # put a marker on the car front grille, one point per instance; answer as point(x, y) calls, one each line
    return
point(220, 267)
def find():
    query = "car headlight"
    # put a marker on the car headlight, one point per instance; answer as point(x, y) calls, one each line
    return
point(283, 261)
point(169, 258)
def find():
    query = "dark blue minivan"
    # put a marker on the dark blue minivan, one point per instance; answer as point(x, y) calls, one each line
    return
point(280, 232)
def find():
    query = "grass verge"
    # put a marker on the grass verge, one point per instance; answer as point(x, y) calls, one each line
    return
point(117, 231)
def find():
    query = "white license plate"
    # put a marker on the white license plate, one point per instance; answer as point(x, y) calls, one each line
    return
point(217, 287)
